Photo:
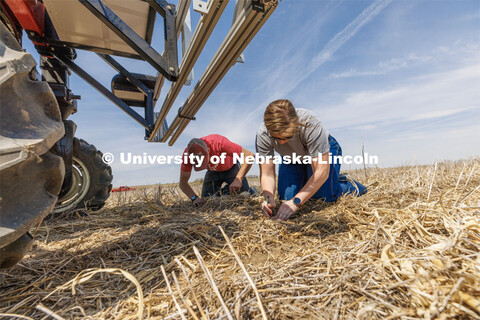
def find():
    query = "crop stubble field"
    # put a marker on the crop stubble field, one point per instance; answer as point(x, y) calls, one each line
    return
point(408, 249)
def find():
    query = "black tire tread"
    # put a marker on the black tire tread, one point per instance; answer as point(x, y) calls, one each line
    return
point(100, 175)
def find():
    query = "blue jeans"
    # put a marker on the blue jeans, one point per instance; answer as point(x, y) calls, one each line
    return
point(293, 177)
point(212, 183)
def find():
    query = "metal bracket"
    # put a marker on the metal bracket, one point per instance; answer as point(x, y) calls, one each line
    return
point(240, 59)
point(57, 75)
point(258, 5)
point(200, 6)
point(180, 115)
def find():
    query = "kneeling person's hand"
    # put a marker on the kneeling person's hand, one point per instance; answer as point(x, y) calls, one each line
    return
point(286, 210)
point(235, 186)
point(198, 202)
point(268, 207)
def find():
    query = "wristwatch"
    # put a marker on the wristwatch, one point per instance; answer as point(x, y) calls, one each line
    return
point(297, 201)
point(193, 198)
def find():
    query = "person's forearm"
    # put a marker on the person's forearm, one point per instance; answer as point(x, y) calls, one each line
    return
point(243, 170)
point(245, 166)
point(317, 179)
point(185, 187)
point(267, 184)
point(267, 180)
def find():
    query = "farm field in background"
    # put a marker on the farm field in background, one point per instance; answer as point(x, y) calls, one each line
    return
point(408, 249)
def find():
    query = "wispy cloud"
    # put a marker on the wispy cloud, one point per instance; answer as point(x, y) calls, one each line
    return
point(423, 97)
point(383, 67)
point(347, 33)
point(457, 53)
point(292, 81)
point(289, 55)
point(438, 113)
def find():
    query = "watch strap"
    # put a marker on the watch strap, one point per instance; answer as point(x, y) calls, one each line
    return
point(297, 201)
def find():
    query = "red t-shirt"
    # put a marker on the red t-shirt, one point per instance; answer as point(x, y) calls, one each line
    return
point(217, 145)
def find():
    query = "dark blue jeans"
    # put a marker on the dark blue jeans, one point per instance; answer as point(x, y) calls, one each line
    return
point(212, 183)
point(293, 177)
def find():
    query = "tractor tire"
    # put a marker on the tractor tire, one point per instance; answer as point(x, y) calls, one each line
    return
point(30, 124)
point(14, 252)
point(92, 180)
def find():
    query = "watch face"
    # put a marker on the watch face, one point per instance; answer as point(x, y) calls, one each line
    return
point(193, 198)
point(297, 201)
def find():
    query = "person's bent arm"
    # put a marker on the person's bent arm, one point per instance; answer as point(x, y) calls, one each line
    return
point(236, 185)
point(318, 178)
point(184, 186)
point(321, 170)
point(187, 189)
point(245, 166)
point(267, 183)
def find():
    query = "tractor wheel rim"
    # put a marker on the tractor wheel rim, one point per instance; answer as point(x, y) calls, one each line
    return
point(80, 186)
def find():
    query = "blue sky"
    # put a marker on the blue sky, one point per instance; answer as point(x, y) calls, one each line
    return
point(404, 76)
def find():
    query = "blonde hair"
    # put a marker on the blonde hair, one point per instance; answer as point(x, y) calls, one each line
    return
point(281, 118)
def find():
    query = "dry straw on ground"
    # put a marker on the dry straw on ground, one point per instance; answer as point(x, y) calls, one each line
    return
point(409, 249)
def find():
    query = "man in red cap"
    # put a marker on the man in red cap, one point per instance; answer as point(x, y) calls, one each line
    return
point(216, 154)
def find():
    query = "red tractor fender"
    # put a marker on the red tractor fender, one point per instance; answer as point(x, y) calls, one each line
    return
point(30, 14)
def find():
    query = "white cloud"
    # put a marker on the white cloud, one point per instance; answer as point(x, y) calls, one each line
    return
point(457, 53)
point(427, 96)
point(438, 114)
